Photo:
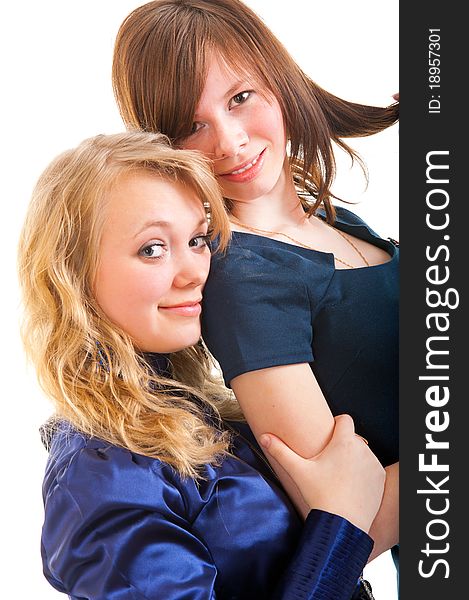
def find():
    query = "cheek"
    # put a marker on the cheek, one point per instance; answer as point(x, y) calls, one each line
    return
point(147, 285)
point(277, 125)
point(205, 261)
point(123, 293)
point(269, 119)
point(202, 144)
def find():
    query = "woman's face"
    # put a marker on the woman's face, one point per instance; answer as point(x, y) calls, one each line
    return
point(153, 262)
point(242, 132)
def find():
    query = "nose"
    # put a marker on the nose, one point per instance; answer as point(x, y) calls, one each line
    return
point(191, 269)
point(230, 137)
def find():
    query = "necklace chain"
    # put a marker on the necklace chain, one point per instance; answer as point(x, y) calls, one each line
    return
point(303, 245)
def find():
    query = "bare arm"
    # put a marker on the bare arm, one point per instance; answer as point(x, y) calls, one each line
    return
point(385, 527)
point(346, 465)
point(288, 402)
point(300, 417)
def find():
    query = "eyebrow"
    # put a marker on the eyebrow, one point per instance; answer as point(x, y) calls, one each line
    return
point(164, 225)
point(235, 86)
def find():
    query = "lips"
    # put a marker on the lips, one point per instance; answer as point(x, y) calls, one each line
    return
point(185, 309)
point(245, 171)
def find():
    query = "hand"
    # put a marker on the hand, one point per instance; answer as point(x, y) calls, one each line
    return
point(396, 97)
point(345, 478)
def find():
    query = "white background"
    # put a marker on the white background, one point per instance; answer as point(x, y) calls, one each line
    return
point(56, 90)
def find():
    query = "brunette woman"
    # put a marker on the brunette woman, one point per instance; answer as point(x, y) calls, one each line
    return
point(302, 310)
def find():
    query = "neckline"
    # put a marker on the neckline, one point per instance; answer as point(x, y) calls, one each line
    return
point(385, 245)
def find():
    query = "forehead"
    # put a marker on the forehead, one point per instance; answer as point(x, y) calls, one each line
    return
point(220, 80)
point(139, 196)
point(223, 78)
point(231, 66)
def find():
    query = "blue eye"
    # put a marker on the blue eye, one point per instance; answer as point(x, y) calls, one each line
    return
point(200, 241)
point(153, 250)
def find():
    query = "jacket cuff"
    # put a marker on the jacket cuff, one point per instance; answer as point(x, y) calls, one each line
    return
point(330, 558)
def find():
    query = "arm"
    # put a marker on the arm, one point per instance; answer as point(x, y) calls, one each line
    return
point(385, 527)
point(352, 470)
point(107, 547)
point(135, 555)
point(302, 418)
point(265, 346)
point(115, 527)
point(125, 553)
point(329, 560)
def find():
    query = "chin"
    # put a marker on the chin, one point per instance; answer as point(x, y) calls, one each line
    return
point(250, 192)
point(174, 345)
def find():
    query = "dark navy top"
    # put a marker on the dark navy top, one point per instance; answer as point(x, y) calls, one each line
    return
point(122, 526)
point(270, 303)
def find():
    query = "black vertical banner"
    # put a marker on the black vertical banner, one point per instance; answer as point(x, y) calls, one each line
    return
point(434, 367)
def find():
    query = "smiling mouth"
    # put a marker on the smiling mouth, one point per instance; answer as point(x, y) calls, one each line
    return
point(190, 309)
point(246, 171)
point(245, 167)
point(248, 166)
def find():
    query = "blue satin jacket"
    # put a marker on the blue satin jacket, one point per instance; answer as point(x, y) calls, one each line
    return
point(122, 526)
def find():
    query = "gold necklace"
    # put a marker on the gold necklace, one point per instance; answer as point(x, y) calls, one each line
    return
point(298, 243)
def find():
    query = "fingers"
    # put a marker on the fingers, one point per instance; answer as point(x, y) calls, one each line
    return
point(278, 450)
point(344, 429)
point(344, 423)
point(345, 478)
point(362, 438)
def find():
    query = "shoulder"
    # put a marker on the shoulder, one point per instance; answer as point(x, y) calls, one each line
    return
point(347, 218)
point(254, 261)
point(345, 215)
point(248, 254)
point(88, 474)
point(109, 513)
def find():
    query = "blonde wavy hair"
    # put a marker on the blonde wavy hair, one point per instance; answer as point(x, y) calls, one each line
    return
point(96, 378)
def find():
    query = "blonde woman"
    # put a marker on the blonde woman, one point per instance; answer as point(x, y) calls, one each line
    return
point(155, 486)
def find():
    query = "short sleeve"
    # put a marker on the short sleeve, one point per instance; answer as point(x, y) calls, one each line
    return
point(257, 312)
point(104, 538)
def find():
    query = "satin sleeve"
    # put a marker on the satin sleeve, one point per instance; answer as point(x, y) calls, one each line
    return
point(103, 538)
point(118, 530)
point(329, 559)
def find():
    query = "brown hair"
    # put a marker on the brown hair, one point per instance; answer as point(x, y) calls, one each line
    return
point(88, 366)
point(160, 67)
